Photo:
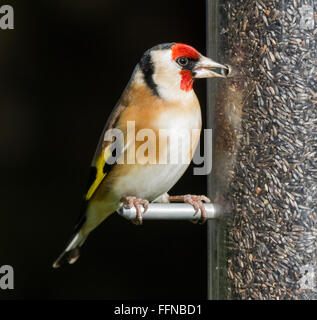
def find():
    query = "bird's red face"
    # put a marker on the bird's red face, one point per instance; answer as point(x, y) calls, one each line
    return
point(193, 64)
point(185, 55)
point(170, 69)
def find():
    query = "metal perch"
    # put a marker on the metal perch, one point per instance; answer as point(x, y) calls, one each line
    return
point(171, 211)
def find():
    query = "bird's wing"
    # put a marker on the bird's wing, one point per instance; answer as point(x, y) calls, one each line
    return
point(99, 167)
point(97, 172)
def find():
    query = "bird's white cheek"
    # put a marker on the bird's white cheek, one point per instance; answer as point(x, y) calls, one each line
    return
point(168, 79)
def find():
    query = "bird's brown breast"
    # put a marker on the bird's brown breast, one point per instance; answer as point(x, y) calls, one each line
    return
point(148, 111)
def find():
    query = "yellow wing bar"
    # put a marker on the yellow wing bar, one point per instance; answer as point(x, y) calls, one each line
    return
point(101, 161)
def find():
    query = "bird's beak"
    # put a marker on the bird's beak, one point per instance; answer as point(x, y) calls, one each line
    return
point(204, 68)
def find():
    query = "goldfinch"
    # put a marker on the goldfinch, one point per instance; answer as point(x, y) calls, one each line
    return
point(158, 97)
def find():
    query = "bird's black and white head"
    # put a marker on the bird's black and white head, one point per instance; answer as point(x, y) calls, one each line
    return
point(169, 69)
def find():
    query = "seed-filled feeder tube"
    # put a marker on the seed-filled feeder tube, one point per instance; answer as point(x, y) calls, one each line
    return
point(264, 120)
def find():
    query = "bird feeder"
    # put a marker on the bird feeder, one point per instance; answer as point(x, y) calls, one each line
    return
point(264, 122)
point(170, 211)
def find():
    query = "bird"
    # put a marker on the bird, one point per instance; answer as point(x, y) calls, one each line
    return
point(159, 96)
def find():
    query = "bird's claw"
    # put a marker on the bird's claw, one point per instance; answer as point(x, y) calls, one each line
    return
point(196, 201)
point(129, 202)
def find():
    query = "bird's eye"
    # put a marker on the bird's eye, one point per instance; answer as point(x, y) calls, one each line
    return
point(182, 61)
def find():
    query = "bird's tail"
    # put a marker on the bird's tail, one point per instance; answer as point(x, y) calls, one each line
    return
point(72, 251)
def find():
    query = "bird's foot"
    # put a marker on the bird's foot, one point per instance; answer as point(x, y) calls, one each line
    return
point(196, 201)
point(129, 202)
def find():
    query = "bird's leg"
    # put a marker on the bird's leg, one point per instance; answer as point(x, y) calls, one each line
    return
point(196, 201)
point(129, 202)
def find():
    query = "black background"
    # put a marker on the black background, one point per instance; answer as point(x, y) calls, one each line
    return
point(61, 71)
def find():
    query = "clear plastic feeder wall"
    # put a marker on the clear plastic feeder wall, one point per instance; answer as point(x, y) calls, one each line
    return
point(265, 149)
